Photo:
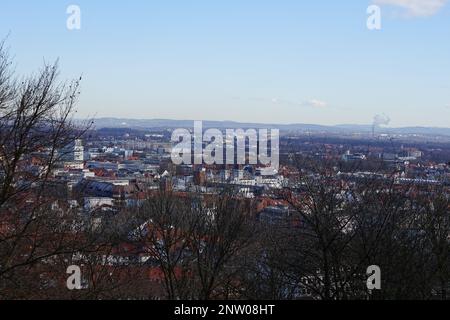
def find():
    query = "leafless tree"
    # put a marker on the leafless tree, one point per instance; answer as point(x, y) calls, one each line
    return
point(36, 124)
point(219, 242)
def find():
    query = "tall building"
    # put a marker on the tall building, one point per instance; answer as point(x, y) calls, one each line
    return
point(78, 151)
point(73, 152)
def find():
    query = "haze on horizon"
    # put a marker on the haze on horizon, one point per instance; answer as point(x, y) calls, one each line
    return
point(255, 61)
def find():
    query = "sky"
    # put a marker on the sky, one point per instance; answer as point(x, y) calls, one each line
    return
point(262, 61)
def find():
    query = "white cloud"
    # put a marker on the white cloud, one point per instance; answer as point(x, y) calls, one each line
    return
point(416, 8)
point(315, 103)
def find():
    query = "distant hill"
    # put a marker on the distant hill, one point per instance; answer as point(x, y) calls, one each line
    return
point(146, 124)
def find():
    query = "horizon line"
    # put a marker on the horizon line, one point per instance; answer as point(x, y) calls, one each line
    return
point(265, 123)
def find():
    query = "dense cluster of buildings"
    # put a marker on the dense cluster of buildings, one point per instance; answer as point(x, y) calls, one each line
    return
point(101, 176)
point(109, 173)
point(104, 176)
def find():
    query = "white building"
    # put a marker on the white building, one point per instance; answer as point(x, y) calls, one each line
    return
point(78, 151)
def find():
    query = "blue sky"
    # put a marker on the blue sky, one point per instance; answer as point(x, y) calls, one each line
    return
point(284, 61)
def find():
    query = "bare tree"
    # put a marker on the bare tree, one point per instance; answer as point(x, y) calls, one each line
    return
point(223, 233)
point(36, 124)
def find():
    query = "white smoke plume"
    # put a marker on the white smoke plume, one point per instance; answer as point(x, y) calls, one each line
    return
point(381, 120)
